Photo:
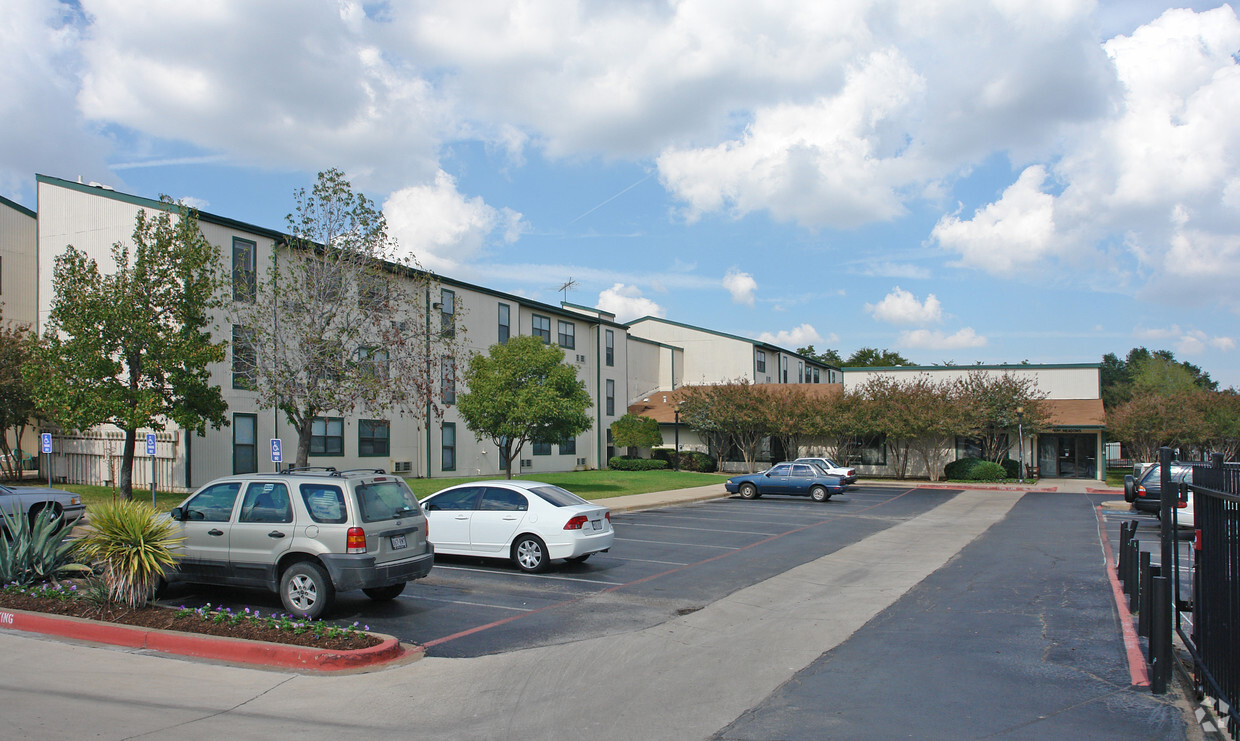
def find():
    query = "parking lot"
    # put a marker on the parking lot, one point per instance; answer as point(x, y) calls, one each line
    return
point(665, 562)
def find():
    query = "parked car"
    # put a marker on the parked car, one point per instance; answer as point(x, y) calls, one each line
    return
point(847, 475)
point(29, 500)
point(305, 534)
point(1147, 493)
point(796, 479)
point(529, 522)
point(1130, 481)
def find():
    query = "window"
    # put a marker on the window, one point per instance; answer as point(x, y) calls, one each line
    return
point(542, 328)
point(245, 443)
point(385, 500)
point(244, 274)
point(324, 503)
point(800, 371)
point(783, 368)
point(324, 281)
point(976, 447)
point(817, 378)
point(495, 499)
point(611, 398)
point(372, 292)
point(447, 443)
point(870, 450)
point(447, 313)
point(447, 379)
point(373, 437)
point(463, 498)
point(266, 502)
point(567, 331)
point(503, 324)
point(542, 448)
point(213, 504)
point(611, 347)
point(244, 358)
point(761, 361)
point(373, 362)
point(569, 446)
point(327, 436)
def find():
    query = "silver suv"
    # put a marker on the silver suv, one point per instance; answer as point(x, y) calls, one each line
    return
point(305, 533)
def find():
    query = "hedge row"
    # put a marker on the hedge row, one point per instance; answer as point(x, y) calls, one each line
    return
point(690, 460)
point(636, 464)
point(976, 469)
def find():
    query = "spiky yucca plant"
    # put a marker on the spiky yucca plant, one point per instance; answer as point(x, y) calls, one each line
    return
point(135, 544)
point(35, 550)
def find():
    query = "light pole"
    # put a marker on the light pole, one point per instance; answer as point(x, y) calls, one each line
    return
point(1020, 434)
point(676, 410)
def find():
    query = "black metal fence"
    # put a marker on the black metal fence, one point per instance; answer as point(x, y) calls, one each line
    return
point(1213, 635)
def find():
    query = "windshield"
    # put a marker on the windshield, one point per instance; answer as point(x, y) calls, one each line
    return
point(386, 500)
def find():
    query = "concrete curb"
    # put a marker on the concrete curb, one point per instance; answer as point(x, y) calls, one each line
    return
point(219, 648)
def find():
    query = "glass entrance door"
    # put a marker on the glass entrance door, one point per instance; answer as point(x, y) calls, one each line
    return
point(1068, 456)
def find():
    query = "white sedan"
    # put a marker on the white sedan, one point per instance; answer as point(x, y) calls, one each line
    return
point(527, 521)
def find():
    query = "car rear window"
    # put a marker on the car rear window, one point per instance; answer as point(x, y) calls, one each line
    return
point(325, 503)
point(386, 500)
point(557, 496)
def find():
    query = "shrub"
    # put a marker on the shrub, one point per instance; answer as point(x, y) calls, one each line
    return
point(636, 464)
point(958, 470)
point(987, 471)
point(35, 551)
point(135, 544)
point(1011, 468)
point(974, 469)
point(690, 460)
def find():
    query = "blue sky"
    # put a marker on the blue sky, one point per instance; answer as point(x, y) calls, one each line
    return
point(961, 182)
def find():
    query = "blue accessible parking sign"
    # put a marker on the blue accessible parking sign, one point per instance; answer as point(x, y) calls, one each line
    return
point(276, 454)
point(45, 441)
point(150, 443)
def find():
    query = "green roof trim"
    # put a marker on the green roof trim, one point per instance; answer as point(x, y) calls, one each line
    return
point(18, 207)
point(755, 343)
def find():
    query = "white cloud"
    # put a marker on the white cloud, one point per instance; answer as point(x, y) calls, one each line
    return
point(741, 286)
point(195, 203)
point(800, 336)
point(902, 307)
point(441, 227)
point(627, 303)
point(889, 269)
point(1014, 232)
point(1184, 341)
point(935, 340)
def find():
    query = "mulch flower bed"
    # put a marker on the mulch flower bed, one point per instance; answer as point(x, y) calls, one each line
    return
point(285, 630)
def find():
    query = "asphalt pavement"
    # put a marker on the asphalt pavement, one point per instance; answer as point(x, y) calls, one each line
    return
point(989, 615)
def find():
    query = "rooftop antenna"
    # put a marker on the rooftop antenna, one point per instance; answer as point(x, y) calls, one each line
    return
point(569, 284)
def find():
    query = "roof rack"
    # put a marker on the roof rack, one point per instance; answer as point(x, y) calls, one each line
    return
point(359, 470)
point(308, 469)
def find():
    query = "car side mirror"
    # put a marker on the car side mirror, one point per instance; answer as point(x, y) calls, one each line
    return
point(177, 514)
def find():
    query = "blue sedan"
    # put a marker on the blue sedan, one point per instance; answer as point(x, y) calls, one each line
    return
point(797, 479)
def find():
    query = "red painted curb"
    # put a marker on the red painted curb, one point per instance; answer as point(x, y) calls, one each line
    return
point(236, 650)
point(1137, 670)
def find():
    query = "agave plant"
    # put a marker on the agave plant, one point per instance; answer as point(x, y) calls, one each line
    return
point(135, 545)
point(35, 550)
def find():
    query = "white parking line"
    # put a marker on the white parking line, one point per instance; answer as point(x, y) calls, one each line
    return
point(529, 576)
point(649, 560)
point(689, 545)
point(700, 529)
point(463, 602)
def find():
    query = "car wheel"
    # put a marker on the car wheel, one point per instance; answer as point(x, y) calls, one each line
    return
point(529, 553)
point(384, 594)
point(749, 491)
point(819, 494)
point(306, 591)
point(1130, 489)
point(579, 559)
point(33, 514)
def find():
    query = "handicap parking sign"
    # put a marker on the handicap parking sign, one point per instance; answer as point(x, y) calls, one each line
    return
point(276, 454)
point(150, 443)
point(46, 442)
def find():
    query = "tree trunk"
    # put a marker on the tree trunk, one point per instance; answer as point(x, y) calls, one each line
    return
point(131, 438)
point(506, 451)
point(304, 430)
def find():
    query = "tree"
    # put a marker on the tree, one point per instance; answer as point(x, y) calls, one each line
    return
point(1221, 412)
point(828, 356)
point(132, 348)
point(698, 406)
point(869, 357)
point(837, 421)
point(16, 403)
point(1156, 371)
point(791, 415)
point(342, 320)
point(939, 415)
point(635, 431)
point(990, 404)
point(728, 414)
point(523, 392)
point(1151, 420)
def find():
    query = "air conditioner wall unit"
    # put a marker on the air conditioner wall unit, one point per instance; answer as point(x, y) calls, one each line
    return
point(402, 466)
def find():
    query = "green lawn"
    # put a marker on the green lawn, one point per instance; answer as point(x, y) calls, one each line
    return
point(585, 484)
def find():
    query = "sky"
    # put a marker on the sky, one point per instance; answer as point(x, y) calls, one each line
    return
point(959, 181)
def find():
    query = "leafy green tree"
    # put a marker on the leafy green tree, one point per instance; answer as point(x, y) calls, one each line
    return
point(791, 415)
point(523, 392)
point(132, 347)
point(837, 422)
point(869, 357)
point(1150, 420)
point(920, 415)
point(698, 412)
point(1157, 371)
point(990, 404)
point(342, 319)
point(1221, 411)
point(828, 356)
point(635, 431)
point(16, 403)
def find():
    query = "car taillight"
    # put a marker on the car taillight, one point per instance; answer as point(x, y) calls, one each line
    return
point(1140, 490)
point(576, 522)
point(607, 515)
point(1181, 504)
point(355, 541)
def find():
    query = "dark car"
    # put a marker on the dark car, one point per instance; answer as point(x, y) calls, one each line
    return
point(796, 479)
point(1147, 492)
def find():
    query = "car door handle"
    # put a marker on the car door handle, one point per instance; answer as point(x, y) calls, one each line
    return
point(510, 517)
point(214, 531)
point(275, 534)
point(462, 517)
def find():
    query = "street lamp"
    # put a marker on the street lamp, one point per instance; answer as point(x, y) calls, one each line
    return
point(676, 410)
point(1020, 434)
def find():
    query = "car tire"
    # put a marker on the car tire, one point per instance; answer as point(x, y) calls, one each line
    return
point(819, 493)
point(579, 559)
point(33, 513)
point(1130, 489)
point(306, 591)
point(529, 553)
point(385, 594)
point(749, 491)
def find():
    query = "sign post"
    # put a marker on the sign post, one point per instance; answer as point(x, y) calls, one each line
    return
point(277, 455)
point(45, 447)
point(150, 450)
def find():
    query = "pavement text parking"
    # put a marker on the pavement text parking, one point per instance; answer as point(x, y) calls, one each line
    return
point(664, 562)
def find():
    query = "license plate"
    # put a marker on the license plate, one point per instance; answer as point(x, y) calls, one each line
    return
point(398, 542)
point(598, 524)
